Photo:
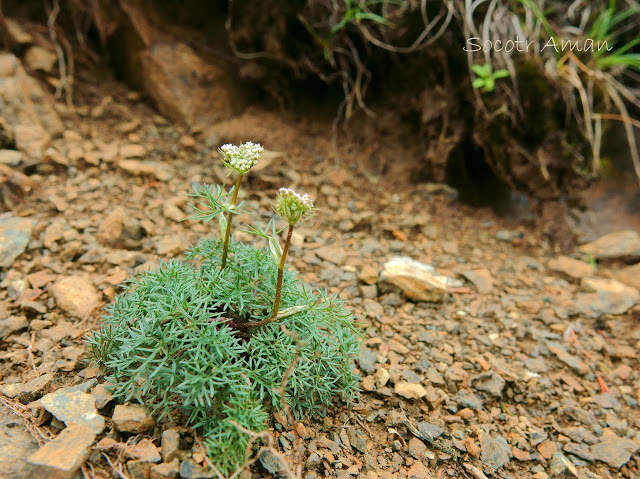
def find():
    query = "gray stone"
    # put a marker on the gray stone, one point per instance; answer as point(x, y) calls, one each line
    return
point(467, 399)
point(561, 465)
point(15, 234)
point(607, 296)
point(489, 382)
point(367, 360)
point(495, 450)
point(74, 408)
point(429, 432)
point(167, 470)
point(613, 450)
point(170, 444)
point(191, 470)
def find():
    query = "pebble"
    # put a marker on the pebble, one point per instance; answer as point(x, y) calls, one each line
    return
point(63, 456)
point(158, 170)
point(12, 324)
point(629, 275)
point(74, 408)
point(144, 450)
point(368, 274)
point(332, 254)
point(75, 294)
point(607, 296)
point(417, 449)
point(410, 390)
point(15, 234)
point(167, 470)
point(132, 151)
point(489, 382)
point(547, 449)
point(189, 469)
point(132, 419)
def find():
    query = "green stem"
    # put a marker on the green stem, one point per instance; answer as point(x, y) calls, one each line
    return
point(227, 233)
point(276, 302)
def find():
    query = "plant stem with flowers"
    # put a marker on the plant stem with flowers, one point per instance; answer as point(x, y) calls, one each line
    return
point(239, 159)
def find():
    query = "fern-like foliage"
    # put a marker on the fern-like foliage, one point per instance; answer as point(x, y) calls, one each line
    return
point(175, 342)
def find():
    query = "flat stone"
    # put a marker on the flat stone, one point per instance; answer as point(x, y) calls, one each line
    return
point(61, 457)
point(629, 275)
point(11, 157)
point(410, 390)
point(613, 450)
point(132, 151)
point(191, 470)
point(332, 254)
point(419, 471)
point(16, 444)
point(144, 450)
point(607, 296)
point(580, 450)
point(29, 391)
point(571, 267)
point(75, 407)
point(417, 449)
point(489, 382)
point(418, 281)
point(560, 465)
point(547, 449)
point(495, 450)
point(132, 419)
point(159, 170)
point(101, 395)
point(621, 244)
point(481, 279)
point(368, 274)
point(166, 470)
point(75, 294)
point(429, 432)
point(139, 469)
point(15, 234)
point(12, 324)
point(569, 359)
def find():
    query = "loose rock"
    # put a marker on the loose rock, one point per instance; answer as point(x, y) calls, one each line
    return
point(613, 450)
point(64, 455)
point(410, 390)
point(621, 244)
point(74, 408)
point(418, 281)
point(14, 237)
point(495, 450)
point(481, 279)
point(571, 267)
point(132, 419)
point(76, 295)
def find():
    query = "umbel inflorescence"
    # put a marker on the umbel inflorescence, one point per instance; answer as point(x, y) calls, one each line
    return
point(210, 339)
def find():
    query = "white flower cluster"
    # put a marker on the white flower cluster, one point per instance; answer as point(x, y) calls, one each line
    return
point(292, 206)
point(241, 158)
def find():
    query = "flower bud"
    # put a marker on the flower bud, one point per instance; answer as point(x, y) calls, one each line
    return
point(292, 206)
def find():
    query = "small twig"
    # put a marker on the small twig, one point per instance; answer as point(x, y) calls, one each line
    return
point(30, 354)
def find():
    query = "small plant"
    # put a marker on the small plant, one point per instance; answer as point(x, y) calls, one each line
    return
point(486, 77)
point(221, 339)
